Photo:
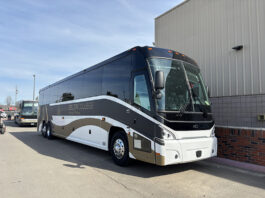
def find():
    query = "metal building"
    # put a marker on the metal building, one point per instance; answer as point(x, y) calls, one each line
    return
point(227, 39)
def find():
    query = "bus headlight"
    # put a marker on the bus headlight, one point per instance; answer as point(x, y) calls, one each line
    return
point(167, 135)
point(213, 132)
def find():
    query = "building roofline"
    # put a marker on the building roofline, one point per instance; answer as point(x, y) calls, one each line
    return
point(172, 9)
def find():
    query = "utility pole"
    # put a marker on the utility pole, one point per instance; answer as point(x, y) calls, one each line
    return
point(34, 86)
point(16, 95)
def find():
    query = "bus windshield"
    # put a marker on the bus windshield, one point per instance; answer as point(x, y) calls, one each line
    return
point(184, 88)
point(30, 108)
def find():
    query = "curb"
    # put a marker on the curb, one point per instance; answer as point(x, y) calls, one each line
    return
point(237, 164)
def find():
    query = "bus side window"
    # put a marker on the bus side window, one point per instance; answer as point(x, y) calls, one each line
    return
point(140, 94)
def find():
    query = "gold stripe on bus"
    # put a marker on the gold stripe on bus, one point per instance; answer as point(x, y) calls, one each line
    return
point(65, 131)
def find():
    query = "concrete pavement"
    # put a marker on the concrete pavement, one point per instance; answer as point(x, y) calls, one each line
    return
point(31, 166)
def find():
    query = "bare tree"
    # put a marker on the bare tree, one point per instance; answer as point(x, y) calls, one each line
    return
point(8, 101)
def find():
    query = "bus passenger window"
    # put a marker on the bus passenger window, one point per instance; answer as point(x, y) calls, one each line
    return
point(140, 94)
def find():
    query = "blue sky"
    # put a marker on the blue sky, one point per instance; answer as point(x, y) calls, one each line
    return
point(56, 38)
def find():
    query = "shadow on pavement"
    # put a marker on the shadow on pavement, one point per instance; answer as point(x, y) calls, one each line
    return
point(78, 156)
point(11, 123)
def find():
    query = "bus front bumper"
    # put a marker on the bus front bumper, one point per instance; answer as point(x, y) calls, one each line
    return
point(28, 121)
point(185, 150)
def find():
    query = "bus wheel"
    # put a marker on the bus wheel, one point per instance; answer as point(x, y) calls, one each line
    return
point(43, 130)
point(119, 149)
point(3, 130)
point(49, 131)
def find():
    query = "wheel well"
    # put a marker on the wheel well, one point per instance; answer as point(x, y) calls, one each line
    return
point(112, 131)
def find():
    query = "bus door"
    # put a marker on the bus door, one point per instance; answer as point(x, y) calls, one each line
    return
point(141, 100)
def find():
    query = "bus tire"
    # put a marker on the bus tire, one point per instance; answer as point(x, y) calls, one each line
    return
point(119, 149)
point(49, 131)
point(3, 130)
point(44, 130)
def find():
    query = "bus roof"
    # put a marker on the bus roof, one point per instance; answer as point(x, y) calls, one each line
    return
point(27, 101)
point(146, 51)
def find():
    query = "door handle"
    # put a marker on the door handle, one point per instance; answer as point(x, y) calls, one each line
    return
point(128, 111)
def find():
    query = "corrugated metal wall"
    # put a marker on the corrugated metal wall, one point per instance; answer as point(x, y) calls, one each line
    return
point(206, 30)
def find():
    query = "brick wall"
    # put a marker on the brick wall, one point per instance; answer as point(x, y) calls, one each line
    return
point(241, 145)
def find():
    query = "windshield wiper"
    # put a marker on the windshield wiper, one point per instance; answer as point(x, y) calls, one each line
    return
point(184, 106)
point(202, 105)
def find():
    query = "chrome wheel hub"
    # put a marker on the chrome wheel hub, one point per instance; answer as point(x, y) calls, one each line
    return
point(118, 148)
point(43, 129)
point(48, 132)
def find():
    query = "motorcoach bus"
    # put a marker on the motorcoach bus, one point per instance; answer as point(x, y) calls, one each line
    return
point(26, 114)
point(146, 103)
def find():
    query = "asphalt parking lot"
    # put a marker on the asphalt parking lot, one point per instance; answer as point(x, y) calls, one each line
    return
point(31, 166)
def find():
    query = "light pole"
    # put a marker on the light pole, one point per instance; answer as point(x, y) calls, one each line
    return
point(34, 86)
point(16, 95)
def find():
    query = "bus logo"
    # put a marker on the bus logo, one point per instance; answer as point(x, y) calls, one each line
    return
point(195, 126)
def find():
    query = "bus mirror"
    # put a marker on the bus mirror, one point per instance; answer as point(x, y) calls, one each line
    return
point(158, 95)
point(159, 80)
